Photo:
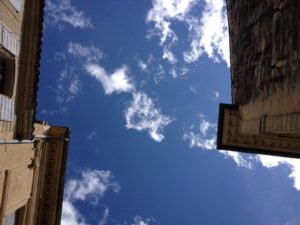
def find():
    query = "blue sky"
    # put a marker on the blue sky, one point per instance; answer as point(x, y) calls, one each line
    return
point(139, 83)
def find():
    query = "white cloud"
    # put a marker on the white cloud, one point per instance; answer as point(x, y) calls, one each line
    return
point(104, 217)
point(217, 95)
point(204, 138)
point(143, 115)
point(92, 186)
point(68, 85)
point(118, 81)
point(163, 12)
point(210, 34)
point(207, 30)
point(198, 140)
point(142, 65)
point(238, 158)
point(91, 135)
point(70, 215)
point(184, 70)
point(193, 89)
point(63, 12)
point(53, 112)
point(74, 87)
point(173, 72)
point(294, 164)
point(167, 54)
point(138, 220)
point(88, 53)
point(268, 162)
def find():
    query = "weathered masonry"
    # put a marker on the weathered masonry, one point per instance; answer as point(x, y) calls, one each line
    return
point(33, 154)
point(265, 78)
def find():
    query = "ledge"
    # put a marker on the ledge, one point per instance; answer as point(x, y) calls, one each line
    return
point(229, 137)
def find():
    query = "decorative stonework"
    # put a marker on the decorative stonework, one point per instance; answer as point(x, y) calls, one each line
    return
point(282, 124)
point(230, 137)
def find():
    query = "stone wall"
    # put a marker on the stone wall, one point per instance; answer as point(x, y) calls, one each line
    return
point(264, 48)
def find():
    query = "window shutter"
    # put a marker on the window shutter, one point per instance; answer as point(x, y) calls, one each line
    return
point(7, 111)
point(8, 40)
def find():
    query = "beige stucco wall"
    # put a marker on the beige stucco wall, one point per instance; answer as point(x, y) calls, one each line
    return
point(10, 17)
point(11, 20)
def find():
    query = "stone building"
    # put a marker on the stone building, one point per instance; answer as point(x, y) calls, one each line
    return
point(32, 154)
point(265, 78)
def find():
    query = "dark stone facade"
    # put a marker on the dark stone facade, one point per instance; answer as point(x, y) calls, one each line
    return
point(264, 47)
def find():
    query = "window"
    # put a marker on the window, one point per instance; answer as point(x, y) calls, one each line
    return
point(2, 73)
point(7, 74)
point(17, 4)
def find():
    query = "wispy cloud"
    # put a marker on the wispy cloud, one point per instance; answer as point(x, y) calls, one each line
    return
point(142, 115)
point(118, 81)
point(167, 54)
point(92, 185)
point(68, 85)
point(159, 73)
point(216, 95)
point(53, 112)
point(193, 89)
point(138, 220)
point(62, 12)
point(238, 158)
point(162, 13)
point(144, 65)
point(74, 87)
point(70, 215)
point(209, 34)
point(207, 30)
point(89, 188)
point(105, 216)
point(204, 137)
point(88, 53)
point(293, 164)
point(91, 135)
point(268, 162)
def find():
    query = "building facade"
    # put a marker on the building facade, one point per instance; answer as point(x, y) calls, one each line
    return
point(265, 78)
point(33, 154)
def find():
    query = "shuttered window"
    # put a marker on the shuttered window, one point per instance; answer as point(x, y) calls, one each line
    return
point(9, 40)
point(2, 73)
point(7, 74)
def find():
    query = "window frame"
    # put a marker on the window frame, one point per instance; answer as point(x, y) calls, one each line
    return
point(9, 71)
